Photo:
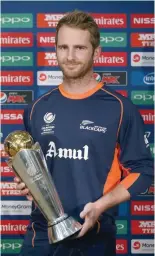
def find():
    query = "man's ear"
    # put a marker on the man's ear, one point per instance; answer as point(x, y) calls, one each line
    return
point(97, 53)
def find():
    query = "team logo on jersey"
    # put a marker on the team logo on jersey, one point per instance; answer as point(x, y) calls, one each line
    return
point(49, 118)
point(90, 126)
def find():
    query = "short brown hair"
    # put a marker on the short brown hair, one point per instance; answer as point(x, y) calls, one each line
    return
point(82, 20)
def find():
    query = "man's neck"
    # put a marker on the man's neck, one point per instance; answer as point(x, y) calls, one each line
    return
point(79, 85)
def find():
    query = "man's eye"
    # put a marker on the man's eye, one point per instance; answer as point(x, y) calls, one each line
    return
point(80, 47)
point(63, 47)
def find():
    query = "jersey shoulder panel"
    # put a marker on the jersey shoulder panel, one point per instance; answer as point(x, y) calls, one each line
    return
point(39, 102)
point(128, 106)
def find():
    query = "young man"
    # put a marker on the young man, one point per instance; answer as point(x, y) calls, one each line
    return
point(95, 150)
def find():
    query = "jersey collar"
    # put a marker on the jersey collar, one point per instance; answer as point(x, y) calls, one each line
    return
point(81, 95)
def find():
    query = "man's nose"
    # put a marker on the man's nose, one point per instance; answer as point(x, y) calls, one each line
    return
point(71, 54)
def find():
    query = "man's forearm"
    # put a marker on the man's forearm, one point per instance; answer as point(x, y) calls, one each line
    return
point(118, 195)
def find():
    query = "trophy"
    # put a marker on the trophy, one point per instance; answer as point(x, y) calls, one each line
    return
point(27, 160)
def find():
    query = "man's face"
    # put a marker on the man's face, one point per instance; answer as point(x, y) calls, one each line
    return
point(74, 52)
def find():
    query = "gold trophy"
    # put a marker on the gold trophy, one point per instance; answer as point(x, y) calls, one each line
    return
point(29, 164)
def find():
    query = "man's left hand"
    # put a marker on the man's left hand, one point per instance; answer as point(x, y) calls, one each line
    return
point(91, 214)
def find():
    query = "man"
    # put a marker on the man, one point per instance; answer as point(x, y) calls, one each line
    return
point(94, 147)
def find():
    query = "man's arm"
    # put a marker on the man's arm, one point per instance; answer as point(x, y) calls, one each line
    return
point(135, 162)
point(92, 211)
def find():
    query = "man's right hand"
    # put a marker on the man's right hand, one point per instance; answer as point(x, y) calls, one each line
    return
point(23, 189)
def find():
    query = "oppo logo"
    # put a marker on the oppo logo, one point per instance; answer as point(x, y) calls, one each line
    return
point(12, 246)
point(120, 226)
point(13, 20)
point(110, 39)
point(14, 58)
point(144, 97)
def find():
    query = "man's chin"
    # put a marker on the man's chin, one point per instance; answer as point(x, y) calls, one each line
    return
point(72, 75)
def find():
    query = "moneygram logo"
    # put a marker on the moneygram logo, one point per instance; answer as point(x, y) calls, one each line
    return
point(9, 189)
point(11, 246)
point(142, 59)
point(113, 39)
point(121, 246)
point(109, 59)
point(142, 39)
point(121, 227)
point(16, 97)
point(16, 59)
point(142, 207)
point(48, 20)
point(12, 116)
point(47, 59)
point(110, 78)
point(16, 78)
point(16, 20)
point(16, 207)
point(143, 246)
point(143, 97)
point(6, 170)
point(148, 116)
point(49, 78)
point(46, 39)
point(13, 227)
point(110, 20)
point(16, 39)
point(142, 20)
point(142, 227)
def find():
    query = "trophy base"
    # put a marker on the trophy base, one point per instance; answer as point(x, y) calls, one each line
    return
point(63, 230)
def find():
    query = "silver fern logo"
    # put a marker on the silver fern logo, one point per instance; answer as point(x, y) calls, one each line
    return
point(49, 118)
point(86, 122)
point(89, 125)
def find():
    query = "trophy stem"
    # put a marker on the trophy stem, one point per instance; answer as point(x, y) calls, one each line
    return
point(63, 230)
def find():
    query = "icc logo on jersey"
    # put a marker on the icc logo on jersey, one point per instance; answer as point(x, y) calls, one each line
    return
point(49, 118)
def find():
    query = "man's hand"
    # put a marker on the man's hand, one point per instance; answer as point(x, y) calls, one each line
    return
point(23, 189)
point(90, 213)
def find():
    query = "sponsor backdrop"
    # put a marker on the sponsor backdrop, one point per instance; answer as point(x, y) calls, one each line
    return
point(29, 69)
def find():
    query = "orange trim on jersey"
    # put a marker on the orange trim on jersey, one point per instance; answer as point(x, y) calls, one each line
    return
point(34, 234)
point(114, 175)
point(39, 100)
point(130, 179)
point(81, 95)
point(126, 171)
point(121, 117)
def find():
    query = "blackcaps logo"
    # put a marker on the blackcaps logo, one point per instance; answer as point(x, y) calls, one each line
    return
point(49, 118)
